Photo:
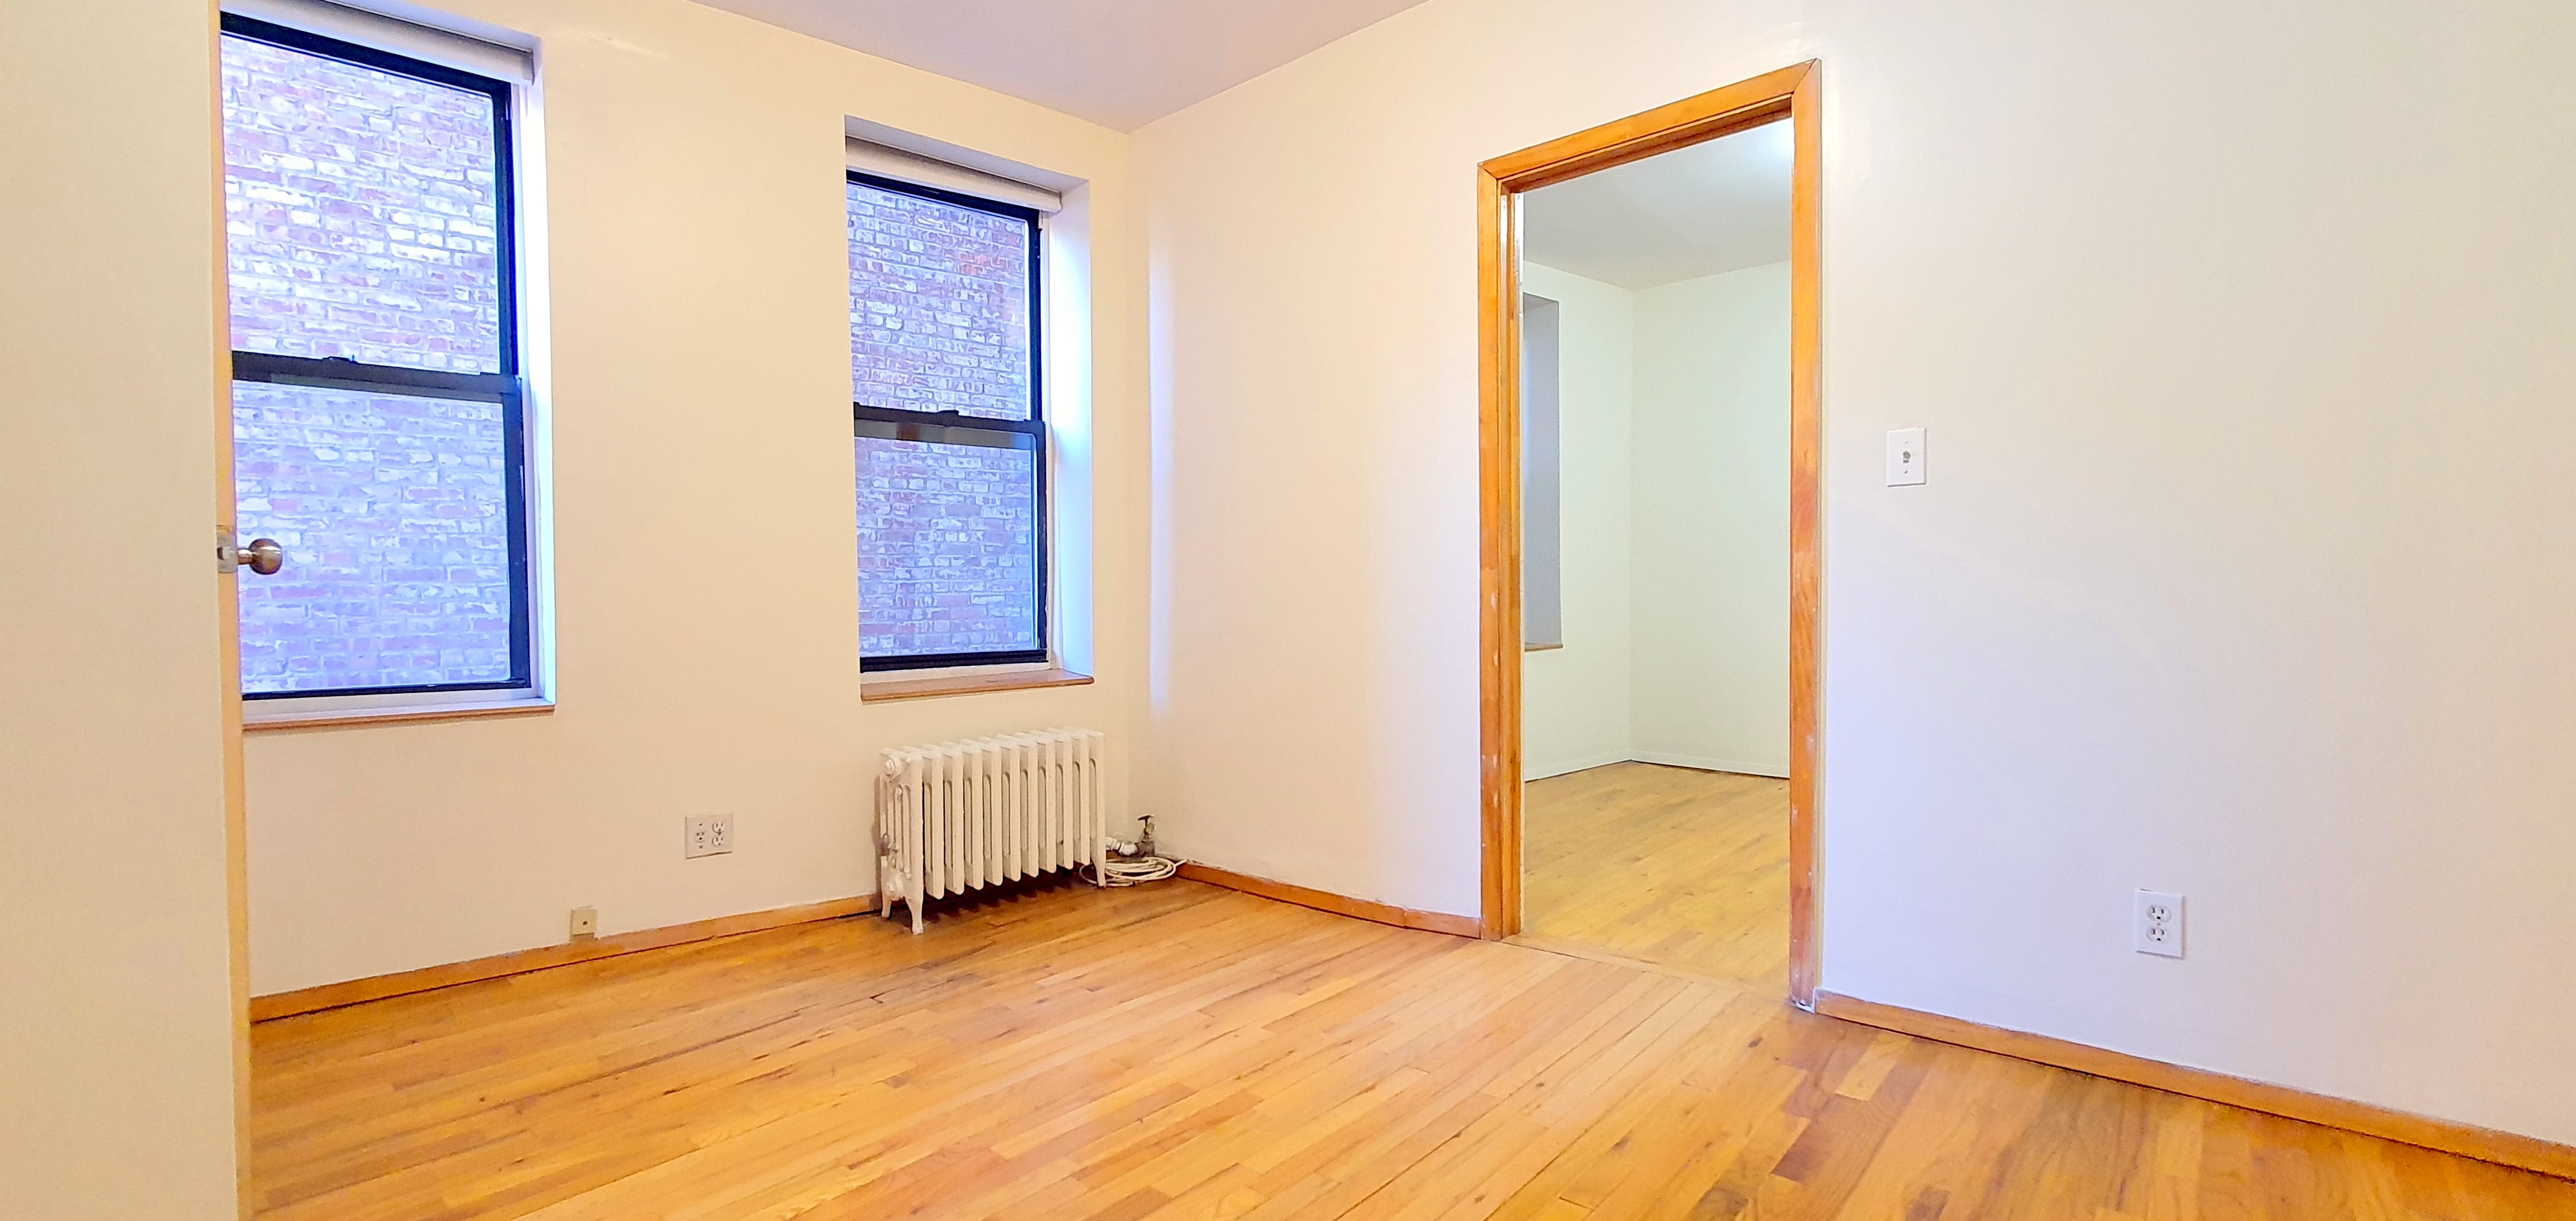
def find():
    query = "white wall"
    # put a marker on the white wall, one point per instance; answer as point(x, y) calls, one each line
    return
point(116, 992)
point(1676, 528)
point(1710, 591)
point(1576, 698)
point(2243, 570)
point(706, 628)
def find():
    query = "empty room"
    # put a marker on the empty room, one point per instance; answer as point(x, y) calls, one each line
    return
point(812, 609)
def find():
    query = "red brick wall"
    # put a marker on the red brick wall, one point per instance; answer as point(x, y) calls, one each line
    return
point(361, 214)
point(939, 321)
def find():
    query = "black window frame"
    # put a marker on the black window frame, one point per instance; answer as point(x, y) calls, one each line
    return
point(957, 428)
point(505, 388)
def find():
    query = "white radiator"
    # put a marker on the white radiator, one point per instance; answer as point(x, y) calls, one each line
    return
point(961, 816)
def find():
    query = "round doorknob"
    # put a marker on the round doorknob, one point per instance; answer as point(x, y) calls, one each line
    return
point(262, 556)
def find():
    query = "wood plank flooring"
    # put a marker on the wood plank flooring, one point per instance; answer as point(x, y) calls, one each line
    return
point(1665, 865)
point(1179, 1051)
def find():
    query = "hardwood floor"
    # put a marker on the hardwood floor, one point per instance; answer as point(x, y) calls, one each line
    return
point(1665, 865)
point(1179, 1051)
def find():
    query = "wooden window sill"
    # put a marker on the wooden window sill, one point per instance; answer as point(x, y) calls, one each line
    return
point(395, 714)
point(873, 690)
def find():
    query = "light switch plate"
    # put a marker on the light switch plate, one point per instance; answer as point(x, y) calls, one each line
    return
point(1904, 457)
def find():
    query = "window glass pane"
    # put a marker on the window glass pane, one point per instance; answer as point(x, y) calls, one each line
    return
point(362, 212)
point(939, 306)
point(948, 548)
point(395, 518)
point(1542, 577)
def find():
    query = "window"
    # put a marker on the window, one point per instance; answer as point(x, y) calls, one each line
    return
point(378, 428)
point(948, 426)
point(1542, 574)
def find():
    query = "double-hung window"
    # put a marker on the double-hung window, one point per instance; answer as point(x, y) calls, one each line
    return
point(378, 422)
point(949, 427)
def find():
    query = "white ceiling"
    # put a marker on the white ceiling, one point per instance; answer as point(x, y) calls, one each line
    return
point(1698, 211)
point(1119, 63)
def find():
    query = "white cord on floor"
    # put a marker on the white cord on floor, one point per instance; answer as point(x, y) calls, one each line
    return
point(1128, 871)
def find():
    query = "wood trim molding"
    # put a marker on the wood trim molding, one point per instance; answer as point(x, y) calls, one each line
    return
point(1499, 634)
point(1327, 901)
point(2447, 1136)
point(1701, 117)
point(1792, 93)
point(401, 983)
point(878, 690)
point(1806, 539)
point(397, 716)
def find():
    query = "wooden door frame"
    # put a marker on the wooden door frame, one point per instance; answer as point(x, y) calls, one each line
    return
point(1791, 94)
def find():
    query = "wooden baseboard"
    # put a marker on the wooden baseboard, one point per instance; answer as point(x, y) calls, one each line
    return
point(378, 987)
point(2448, 1136)
point(1339, 905)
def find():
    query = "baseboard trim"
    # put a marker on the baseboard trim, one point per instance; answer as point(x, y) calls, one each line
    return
point(1550, 771)
point(2447, 1136)
point(1698, 763)
point(423, 979)
point(1339, 905)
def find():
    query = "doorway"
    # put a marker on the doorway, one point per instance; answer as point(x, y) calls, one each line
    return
point(1649, 435)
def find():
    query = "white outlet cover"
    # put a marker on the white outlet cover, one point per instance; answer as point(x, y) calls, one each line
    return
point(2157, 924)
point(706, 835)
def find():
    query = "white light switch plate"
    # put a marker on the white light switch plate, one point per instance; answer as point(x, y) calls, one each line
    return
point(1904, 457)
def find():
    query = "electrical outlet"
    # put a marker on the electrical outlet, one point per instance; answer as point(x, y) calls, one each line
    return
point(707, 835)
point(2158, 928)
point(585, 922)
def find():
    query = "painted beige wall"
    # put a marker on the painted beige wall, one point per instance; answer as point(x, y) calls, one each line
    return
point(1576, 698)
point(116, 995)
point(1710, 594)
point(2243, 571)
point(704, 564)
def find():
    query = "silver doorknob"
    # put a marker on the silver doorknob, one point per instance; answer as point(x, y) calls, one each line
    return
point(262, 556)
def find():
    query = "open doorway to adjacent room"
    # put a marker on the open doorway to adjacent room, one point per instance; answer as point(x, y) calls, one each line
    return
point(1655, 424)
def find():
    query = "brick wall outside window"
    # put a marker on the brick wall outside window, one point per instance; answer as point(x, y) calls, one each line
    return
point(939, 321)
point(361, 213)
point(361, 219)
point(939, 306)
point(947, 549)
point(396, 531)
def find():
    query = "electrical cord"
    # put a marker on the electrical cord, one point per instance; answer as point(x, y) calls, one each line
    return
point(1128, 871)
point(1133, 861)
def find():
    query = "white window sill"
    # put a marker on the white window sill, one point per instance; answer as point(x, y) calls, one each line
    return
point(254, 721)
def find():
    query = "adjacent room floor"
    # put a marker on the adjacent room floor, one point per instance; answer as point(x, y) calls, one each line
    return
point(1181, 1051)
point(1664, 865)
